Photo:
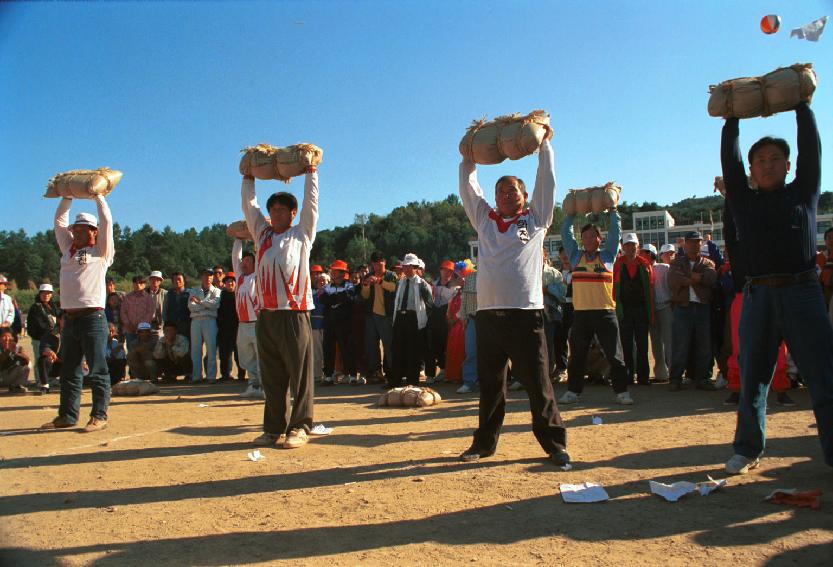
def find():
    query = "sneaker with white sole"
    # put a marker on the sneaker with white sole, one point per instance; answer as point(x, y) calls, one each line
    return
point(465, 389)
point(569, 398)
point(360, 381)
point(739, 464)
point(267, 440)
point(329, 380)
point(515, 386)
point(624, 399)
point(252, 391)
point(296, 438)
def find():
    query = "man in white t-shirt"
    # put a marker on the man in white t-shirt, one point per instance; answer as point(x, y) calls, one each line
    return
point(86, 252)
point(510, 303)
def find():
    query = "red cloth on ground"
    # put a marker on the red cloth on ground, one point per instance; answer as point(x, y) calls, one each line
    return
point(455, 351)
point(780, 382)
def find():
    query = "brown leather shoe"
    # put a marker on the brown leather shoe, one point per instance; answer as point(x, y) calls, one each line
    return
point(95, 424)
point(58, 423)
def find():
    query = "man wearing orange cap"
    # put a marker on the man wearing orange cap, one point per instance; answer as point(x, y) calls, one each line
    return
point(444, 289)
point(337, 297)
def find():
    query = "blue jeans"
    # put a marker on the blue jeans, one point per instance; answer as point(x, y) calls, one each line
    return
point(86, 337)
point(690, 334)
point(470, 362)
point(204, 331)
point(796, 314)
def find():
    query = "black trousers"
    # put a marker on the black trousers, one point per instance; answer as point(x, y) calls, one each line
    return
point(603, 324)
point(408, 341)
point(516, 335)
point(437, 340)
point(339, 332)
point(562, 333)
point(226, 346)
point(633, 328)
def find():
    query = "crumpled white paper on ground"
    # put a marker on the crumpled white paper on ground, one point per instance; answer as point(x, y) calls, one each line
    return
point(321, 430)
point(584, 492)
point(597, 420)
point(255, 455)
point(675, 491)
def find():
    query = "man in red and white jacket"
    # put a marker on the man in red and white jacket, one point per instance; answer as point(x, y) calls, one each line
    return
point(245, 298)
point(284, 293)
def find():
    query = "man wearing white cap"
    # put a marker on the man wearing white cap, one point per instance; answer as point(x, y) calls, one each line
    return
point(633, 292)
point(157, 293)
point(663, 318)
point(6, 304)
point(245, 300)
point(86, 252)
point(510, 303)
point(140, 357)
point(41, 320)
point(412, 304)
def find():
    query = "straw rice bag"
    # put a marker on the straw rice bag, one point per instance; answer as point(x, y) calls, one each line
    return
point(583, 203)
point(134, 388)
point(83, 183)
point(569, 205)
point(512, 136)
point(605, 197)
point(268, 162)
point(240, 230)
point(774, 92)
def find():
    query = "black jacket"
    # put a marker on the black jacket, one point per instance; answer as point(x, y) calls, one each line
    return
point(38, 322)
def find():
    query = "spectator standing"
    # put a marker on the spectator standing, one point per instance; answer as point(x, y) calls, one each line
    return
point(562, 331)
point(337, 297)
point(243, 264)
point(468, 312)
point(175, 310)
point(555, 295)
point(377, 292)
point(319, 280)
point(6, 305)
point(284, 336)
point(111, 288)
point(112, 311)
point(41, 320)
point(227, 328)
point(691, 278)
point(87, 251)
point(824, 262)
point(219, 277)
point(663, 317)
point(412, 303)
point(633, 292)
point(137, 307)
point(158, 293)
point(203, 303)
point(444, 288)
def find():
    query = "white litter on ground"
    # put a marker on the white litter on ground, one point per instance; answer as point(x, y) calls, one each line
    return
point(584, 492)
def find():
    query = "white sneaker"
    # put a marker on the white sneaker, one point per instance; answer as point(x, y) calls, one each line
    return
point(515, 386)
point(720, 382)
point(252, 392)
point(624, 398)
point(569, 398)
point(465, 389)
point(739, 464)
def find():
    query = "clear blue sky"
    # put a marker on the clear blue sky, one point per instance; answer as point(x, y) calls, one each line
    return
point(169, 93)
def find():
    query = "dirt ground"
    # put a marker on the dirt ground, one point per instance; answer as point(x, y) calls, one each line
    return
point(169, 483)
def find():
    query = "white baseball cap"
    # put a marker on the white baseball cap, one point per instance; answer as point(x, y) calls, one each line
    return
point(143, 327)
point(45, 287)
point(411, 260)
point(630, 237)
point(86, 218)
point(650, 248)
point(3, 279)
point(667, 248)
point(156, 274)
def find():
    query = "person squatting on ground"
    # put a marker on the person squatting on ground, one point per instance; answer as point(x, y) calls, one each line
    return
point(172, 354)
point(633, 292)
point(14, 364)
point(413, 303)
point(140, 357)
point(510, 303)
point(86, 252)
point(116, 354)
point(203, 303)
point(337, 297)
point(594, 309)
point(691, 278)
point(377, 291)
point(243, 264)
point(782, 298)
point(284, 292)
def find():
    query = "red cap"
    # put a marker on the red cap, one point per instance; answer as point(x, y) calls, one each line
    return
point(447, 264)
point(316, 269)
point(339, 265)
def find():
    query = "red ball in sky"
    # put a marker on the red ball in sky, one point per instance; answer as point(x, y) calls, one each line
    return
point(770, 24)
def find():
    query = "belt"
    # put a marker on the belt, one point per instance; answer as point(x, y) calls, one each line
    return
point(782, 280)
point(75, 313)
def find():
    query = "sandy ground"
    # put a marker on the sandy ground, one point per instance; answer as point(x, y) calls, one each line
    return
point(169, 483)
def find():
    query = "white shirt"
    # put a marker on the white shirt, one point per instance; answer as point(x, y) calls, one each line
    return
point(283, 278)
point(83, 271)
point(442, 294)
point(6, 309)
point(662, 295)
point(510, 250)
point(692, 296)
point(245, 296)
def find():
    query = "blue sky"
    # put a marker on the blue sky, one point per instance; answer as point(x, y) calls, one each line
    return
point(169, 93)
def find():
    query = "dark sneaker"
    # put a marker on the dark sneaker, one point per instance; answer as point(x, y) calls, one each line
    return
point(17, 389)
point(732, 400)
point(474, 453)
point(675, 386)
point(95, 424)
point(560, 458)
point(58, 423)
point(784, 400)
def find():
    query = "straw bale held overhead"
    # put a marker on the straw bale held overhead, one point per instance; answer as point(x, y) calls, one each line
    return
point(239, 229)
point(268, 162)
point(83, 183)
point(513, 136)
point(593, 199)
point(774, 92)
